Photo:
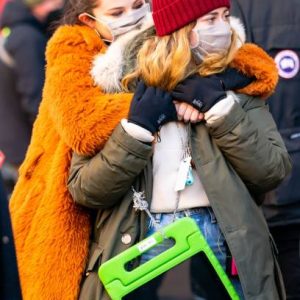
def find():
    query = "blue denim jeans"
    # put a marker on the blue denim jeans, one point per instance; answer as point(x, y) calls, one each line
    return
point(208, 225)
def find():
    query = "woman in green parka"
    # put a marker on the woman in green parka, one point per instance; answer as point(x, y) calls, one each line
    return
point(236, 154)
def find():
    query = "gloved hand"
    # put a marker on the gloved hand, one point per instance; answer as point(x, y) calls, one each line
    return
point(232, 79)
point(200, 92)
point(151, 108)
point(204, 92)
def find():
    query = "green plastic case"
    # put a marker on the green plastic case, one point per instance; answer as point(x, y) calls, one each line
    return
point(189, 240)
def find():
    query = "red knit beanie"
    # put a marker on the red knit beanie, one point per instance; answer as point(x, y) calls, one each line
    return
point(170, 15)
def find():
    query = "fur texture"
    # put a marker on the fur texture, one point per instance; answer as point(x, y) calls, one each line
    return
point(51, 232)
point(254, 62)
point(107, 69)
point(239, 28)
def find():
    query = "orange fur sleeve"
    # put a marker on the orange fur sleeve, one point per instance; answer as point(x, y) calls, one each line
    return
point(253, 61)
point(83, 115)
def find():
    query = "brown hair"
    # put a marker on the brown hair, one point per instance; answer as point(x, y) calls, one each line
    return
point(73, 8)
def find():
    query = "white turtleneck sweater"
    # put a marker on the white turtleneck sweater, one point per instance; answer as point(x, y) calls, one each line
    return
point(167, 158)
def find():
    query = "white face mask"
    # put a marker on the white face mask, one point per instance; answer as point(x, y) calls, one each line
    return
point(211, 39)
point(126, 23)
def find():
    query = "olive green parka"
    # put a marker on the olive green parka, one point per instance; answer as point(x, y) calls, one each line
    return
point(238, 158)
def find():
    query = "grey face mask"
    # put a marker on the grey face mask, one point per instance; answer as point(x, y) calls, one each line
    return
point(212, 39)
point(126, 23)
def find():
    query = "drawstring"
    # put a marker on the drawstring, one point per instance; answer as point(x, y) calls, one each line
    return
point(158, 137)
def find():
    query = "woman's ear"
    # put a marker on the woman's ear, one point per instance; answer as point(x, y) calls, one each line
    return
point(85, 19)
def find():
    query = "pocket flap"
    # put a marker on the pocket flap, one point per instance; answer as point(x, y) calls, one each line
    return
point(95, 254)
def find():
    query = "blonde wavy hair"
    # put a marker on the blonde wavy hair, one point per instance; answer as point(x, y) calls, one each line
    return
point(165, 61)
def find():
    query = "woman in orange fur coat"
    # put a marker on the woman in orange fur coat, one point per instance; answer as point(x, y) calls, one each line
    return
point(78, 113)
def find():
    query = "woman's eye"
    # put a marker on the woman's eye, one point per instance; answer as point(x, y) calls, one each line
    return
point(117, 13)
point(211, 21)
point(139, 5)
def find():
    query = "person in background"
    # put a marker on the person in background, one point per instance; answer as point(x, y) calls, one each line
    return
point(22, 67)
point(2, 4)
point(275, 26)
point(9, 284)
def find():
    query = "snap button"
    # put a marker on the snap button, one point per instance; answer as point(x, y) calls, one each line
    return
point(126, 238)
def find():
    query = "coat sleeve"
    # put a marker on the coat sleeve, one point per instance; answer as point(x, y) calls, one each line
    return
point(83, 115)
point(100, 181)
point(254, 62)
point(250, 141)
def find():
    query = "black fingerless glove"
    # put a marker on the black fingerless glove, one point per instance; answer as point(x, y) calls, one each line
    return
point(151, 108)
point(204, 92)
point(200, 92)
point(232, 79)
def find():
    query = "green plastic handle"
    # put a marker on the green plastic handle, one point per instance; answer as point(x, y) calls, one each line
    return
point(189, 240)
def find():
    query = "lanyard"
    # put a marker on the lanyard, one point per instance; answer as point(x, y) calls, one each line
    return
point(184, 178)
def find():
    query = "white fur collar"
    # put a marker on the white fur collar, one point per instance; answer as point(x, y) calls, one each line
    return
point(239, 28)
point(107, 68)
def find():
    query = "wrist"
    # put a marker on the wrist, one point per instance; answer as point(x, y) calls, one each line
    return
point(142, 122)
point(138, 132)
point(219, 110)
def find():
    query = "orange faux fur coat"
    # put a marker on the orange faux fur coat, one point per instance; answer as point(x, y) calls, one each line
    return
point(51, 232)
